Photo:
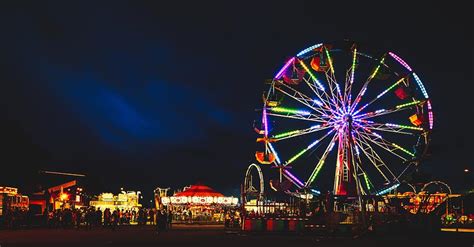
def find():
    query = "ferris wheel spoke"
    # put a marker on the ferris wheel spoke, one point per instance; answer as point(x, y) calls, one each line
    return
point(397, 108)
point(310, 146)
point(313, 77)
point(324, 103)
point(295, 133)
point(374, 158)
point(332, 81)
point(315, 105)
point(292, 178)
point(362, 172)
point(321, 161)
point(381, 94)
point(358, 171)
point(327, 101)
point(390, 127)
point(350, 79)
point(309, 117)
point(391, 147)
point(366, 84)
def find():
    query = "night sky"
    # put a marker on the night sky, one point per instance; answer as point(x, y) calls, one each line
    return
point(142, 94)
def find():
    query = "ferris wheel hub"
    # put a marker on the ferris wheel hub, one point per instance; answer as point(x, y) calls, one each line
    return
point(347, 118)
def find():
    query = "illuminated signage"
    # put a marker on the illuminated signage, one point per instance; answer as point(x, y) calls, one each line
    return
point(199, 200)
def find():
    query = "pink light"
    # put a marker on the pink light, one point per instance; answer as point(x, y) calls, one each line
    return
point(399, 60)
point(264, 120)
point(430, 114)
point(280, 73)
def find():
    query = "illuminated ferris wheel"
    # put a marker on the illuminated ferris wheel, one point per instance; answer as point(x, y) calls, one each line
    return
point(343, 111)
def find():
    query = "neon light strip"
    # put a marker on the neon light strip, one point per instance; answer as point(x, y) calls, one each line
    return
point(330, 60)
point(385, 191)
point(407, 104)
point(307, 148)
point(430, 114)
point(375, 71)
point(289, 133)
point(316, 172)
point(366, 181)
point(265, 121)
point(399, 60)
point(312, 75)
point(275, 153)
point(390, 88)
point(420, 84)
point(316, 191)
point(377, 135)
point(403, 126)
point(313, 144)
point(353, 65)
point(297, 156)
point(404, 150)
point(317, 102)
point(308, 49)
point(280, 73)
point(288, 110)
point(364, 88)
point(321, 161)
point(293, 178)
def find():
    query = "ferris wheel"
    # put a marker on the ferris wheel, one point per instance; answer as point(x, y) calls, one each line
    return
point(344, 118)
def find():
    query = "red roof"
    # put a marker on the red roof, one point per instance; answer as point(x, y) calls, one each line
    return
point(199, 190)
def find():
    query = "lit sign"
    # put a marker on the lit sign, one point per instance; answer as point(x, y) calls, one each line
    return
point(8, 190)
point(199, 200)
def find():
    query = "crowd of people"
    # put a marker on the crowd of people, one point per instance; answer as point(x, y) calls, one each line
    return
point(86, 218)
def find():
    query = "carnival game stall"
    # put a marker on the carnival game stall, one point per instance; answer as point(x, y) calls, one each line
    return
point(199, 204)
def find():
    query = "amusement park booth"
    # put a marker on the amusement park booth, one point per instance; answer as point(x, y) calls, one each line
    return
point(65, 195)
point(11, 200)
point(126, 200)
point(199, 203)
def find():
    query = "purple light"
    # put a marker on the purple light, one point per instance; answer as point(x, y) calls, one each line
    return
point(377, 135)
point(265, 120)
point(293, 178)
point(399, 60)
point(279, 74)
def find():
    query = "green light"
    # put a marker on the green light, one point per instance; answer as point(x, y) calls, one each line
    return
point(311, 75)
point(404, 150)
point(390, 88)
point(353, 65)
point(367, 182)
point(289, 133)
point(288, 110)
point(297, 156)
point(316, 171)
point(329, 60)
point(408, 104)
point(377, 68)
point(403, 126)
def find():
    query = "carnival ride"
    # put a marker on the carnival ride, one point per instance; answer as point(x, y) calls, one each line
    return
point(373, 127)
point(249, 189)
point(426, 199)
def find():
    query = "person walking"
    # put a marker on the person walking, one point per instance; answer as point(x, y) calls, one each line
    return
point(159, 221)
point(115, 219)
